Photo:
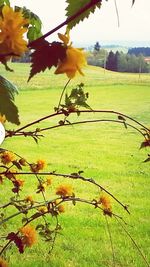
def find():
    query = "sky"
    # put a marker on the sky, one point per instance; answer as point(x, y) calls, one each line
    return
point(101, 26)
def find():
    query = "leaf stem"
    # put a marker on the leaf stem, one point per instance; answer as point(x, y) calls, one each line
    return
point(71, 18)
point(62, 93)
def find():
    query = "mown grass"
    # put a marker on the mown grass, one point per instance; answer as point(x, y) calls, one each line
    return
point(109, 153)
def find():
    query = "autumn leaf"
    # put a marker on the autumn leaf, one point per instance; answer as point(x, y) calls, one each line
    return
point(17, 240)
point(7, 106)
point(146, 143)
point(45, 55)
point(74, 6)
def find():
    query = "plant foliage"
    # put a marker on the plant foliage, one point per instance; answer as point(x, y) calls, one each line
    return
point(74, 6)
point(45, 55)
point(7, 106)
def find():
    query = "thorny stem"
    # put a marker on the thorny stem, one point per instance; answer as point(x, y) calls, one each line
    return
point(72, 176)
point(67, 199)
point(13, 133)
point(133, 241)
point(111, 243)
point(71, 18)
point(90, 121)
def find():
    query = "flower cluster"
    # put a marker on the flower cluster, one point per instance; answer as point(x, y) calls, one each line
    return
point(12, 28)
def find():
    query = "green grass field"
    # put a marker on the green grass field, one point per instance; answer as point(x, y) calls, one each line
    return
point(107, 152)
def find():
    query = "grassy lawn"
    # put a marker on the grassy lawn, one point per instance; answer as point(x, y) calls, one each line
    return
point(107, 152)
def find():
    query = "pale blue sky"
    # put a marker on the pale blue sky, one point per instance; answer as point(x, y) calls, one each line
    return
point(102, 26)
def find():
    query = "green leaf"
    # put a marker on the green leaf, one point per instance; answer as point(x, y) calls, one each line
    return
point(2, 2)
point(7, 106)
point(75, 5)
point(46, 55)
point(34, 31)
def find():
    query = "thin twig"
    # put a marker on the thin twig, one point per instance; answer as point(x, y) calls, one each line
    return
point(81, 111)
point(63, 93)
point(90, 180)
point(117, 13)
point(111, 243)
point(133, 241)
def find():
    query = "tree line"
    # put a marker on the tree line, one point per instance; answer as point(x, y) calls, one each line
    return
point(118, 61)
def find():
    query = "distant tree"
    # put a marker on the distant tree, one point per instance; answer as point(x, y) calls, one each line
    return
point(97, 47)
point(111, 63)
point(145, 51)
point(122, 62)
point(97, 58)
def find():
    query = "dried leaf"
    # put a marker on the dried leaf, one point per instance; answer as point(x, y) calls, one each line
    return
point(45, 55)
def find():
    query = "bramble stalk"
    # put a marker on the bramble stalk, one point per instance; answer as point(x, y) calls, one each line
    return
point(14, 133)
point(72, 176)
point(71, 18)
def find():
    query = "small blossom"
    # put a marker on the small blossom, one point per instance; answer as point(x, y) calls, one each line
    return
point(61, 208)
point(29, 235)
point(48, 181)
point(22, 162)
point(43, 209)
point(39, 165)
point(105, 201)
point(17, 184)
point(41, 187)
point(7, 157)
point(64, 190)
point(3, 263)
point(106, 204)
point(2, 119)
point(29, 199)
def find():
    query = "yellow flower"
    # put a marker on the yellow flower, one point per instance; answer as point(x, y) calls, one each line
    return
point(105, 201)
point(64, 190)
point(43, 209)
point(74, 60)
point(7, 157)
point(61, 208)
point(29, 235)
point(3, 263)
point(29, 199)
point(48, 181)
point(106, 205)
point(12, 27)
point(39, 165)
